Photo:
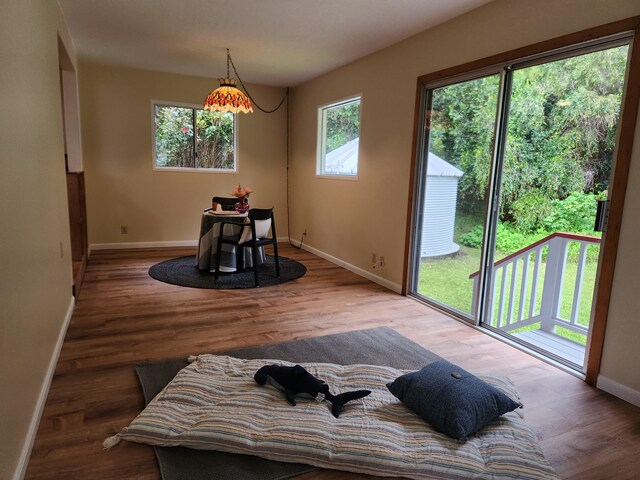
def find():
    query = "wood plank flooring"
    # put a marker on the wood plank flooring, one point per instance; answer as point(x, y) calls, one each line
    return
point(124, 317)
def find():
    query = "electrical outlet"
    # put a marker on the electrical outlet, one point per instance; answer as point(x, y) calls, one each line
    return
point(381, 262)
point(124, 230)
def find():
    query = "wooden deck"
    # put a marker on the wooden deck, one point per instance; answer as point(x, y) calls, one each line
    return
point(555, 345)
point(123, 317)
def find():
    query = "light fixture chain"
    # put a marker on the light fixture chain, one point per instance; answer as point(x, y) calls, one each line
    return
point(286, 95)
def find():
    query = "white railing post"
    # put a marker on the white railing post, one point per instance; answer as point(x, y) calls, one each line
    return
point(474, 297)
point(503, 283)
point(512, 290)
point(523, 285)
point(577, 291)
point(552, 287)
point(535, 281)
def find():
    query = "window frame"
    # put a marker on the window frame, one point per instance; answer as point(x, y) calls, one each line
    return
point(155, 167)
point(322, 140)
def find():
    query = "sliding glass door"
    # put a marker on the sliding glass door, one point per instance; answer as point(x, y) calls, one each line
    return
point(512, 166)
point(454, 184)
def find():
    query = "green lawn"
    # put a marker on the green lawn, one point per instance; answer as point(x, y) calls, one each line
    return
point(447, 281)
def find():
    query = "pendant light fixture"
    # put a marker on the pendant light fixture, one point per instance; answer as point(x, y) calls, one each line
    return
point(227, 97)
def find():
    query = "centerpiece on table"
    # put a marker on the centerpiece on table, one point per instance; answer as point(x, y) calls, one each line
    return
point(242, 194)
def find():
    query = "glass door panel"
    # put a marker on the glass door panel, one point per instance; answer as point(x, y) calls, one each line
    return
point(456, 170)
point(560, 140)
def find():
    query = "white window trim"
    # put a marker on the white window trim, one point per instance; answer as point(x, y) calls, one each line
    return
point(164, 103)
point(321, 140)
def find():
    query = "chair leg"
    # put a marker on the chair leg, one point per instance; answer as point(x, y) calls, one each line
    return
point(239, 258)
point(218, 255)
point(254, 255)
point(275, 253)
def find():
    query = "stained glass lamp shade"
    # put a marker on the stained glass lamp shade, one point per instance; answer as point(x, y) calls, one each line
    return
point(228, 98)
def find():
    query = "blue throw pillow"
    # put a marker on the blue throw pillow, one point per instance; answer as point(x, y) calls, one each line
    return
point(452, 400)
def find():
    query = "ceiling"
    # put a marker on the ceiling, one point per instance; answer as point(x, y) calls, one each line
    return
point(272, 42)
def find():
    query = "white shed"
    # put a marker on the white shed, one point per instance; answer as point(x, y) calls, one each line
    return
point(439, 214)
point(344, 159)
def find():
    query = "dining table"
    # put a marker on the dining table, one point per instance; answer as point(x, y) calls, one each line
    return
point(210, 223)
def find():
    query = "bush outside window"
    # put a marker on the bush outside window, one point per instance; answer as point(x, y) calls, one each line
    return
point(186, 137)
point(339, 138)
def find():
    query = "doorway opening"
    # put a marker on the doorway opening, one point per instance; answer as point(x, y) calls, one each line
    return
point(73, 168)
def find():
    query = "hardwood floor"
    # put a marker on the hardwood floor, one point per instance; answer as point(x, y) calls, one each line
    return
point(124, 317)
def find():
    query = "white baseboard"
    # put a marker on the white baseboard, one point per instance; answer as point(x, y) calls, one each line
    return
point(127, 245)
point(130, 245)
point(23, 462)
point(627, 394)
point(352, 268)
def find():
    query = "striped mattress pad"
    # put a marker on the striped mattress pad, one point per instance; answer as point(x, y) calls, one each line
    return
point(215, 404)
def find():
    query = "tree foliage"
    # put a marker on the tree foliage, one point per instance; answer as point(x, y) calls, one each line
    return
point(343, 124)
point(560, 139)
point(174, 138)
point(461, 132)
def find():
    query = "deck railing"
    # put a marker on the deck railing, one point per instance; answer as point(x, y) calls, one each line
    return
point(519, 299)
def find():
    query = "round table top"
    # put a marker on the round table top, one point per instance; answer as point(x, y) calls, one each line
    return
point(223, 213)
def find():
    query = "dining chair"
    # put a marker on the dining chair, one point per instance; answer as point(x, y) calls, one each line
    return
point(227, 204)
point(253, 235)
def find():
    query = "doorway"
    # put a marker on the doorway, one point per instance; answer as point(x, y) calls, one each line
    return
point(73, 168)
point(511, 166)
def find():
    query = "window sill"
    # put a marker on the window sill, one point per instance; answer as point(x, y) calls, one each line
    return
point(193, 170)
point(337, 177)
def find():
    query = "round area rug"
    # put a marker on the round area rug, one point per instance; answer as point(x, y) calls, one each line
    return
point(183, 271)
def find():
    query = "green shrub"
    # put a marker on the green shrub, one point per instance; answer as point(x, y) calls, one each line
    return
point(529, 210)
point(473, 238)
point(575, 214)
point(508, 239)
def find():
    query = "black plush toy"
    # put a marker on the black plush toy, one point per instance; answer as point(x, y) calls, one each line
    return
point(297, 382)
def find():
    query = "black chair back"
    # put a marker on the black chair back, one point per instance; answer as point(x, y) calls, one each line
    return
point(261, 214)
point(255, 214)
point(227, 204)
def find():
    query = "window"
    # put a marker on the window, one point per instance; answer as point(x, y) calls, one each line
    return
point(338, 138)
point(186, 137)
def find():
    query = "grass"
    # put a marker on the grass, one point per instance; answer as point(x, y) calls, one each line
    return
point(447, 281)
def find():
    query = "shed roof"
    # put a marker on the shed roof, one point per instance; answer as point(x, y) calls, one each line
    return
point(343, 159)
point(437, 167)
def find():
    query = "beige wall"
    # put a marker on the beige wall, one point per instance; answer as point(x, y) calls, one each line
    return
point(352, 219)
point(35, 285)
point(622, 341)
point(161, 206)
